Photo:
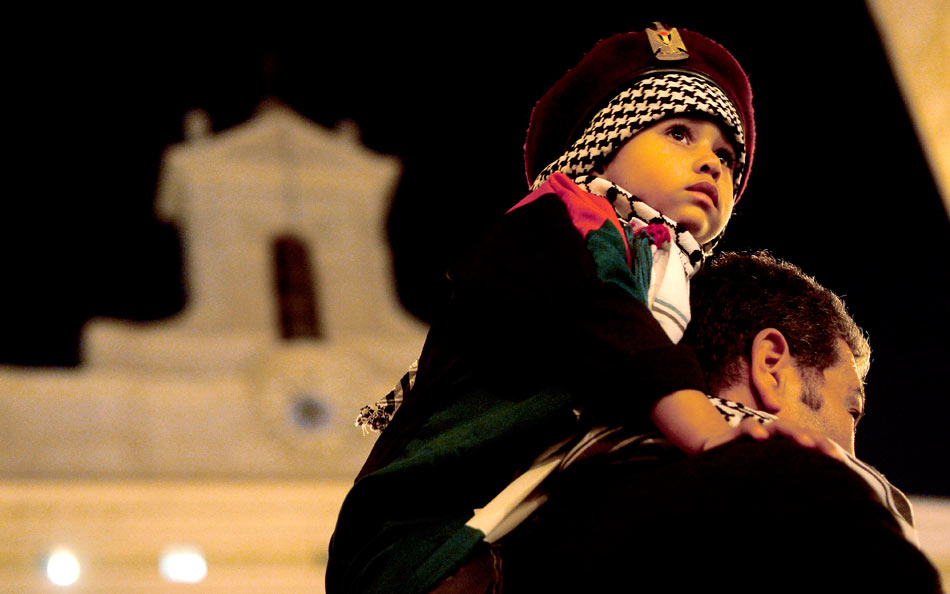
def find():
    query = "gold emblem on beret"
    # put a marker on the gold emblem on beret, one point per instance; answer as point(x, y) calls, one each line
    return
point(666, 43)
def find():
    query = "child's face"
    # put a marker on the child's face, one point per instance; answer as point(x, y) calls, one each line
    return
point(682, 167)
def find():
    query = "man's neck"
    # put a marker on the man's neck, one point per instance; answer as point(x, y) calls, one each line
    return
point(740, 393)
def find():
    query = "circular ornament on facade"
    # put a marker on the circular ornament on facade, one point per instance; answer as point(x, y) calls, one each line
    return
point(308, 397)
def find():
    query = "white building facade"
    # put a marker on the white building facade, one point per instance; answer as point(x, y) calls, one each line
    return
point(292, 324)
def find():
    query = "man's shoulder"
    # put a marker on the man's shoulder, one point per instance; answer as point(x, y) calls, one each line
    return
point(743, 514)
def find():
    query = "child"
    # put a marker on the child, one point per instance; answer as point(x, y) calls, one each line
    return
point(567, 315)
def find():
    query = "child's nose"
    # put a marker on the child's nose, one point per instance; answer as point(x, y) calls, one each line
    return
point(709, 163)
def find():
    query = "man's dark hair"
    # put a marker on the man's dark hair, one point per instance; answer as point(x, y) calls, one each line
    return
point(736, 296)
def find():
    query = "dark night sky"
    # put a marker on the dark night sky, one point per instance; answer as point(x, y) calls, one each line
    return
point(839, 185)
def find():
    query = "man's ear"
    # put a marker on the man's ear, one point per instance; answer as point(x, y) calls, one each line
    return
point(771, 370)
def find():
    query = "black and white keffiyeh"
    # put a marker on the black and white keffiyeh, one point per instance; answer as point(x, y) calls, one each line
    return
point(648, 100)
point(374, 418)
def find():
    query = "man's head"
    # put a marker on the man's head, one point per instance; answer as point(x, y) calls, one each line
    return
point(771, 337)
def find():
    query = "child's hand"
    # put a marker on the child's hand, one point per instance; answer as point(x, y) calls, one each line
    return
point(805, 437)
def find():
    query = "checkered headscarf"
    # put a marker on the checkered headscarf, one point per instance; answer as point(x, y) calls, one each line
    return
point(649, 100)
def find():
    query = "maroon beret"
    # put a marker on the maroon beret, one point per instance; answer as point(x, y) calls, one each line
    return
point(613, 64)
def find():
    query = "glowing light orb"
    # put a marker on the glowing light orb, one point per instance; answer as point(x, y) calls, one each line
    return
point(183, 564)
point(62, 568)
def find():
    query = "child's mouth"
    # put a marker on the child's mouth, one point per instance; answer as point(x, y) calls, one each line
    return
point(707, 189)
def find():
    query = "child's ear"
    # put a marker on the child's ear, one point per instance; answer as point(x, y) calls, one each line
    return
point(772, 370)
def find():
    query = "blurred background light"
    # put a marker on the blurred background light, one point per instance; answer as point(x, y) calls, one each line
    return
point(183, 564)
point(62, 568)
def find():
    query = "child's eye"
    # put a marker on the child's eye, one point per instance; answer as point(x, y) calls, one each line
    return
point(678, 132)
point(726, 158)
